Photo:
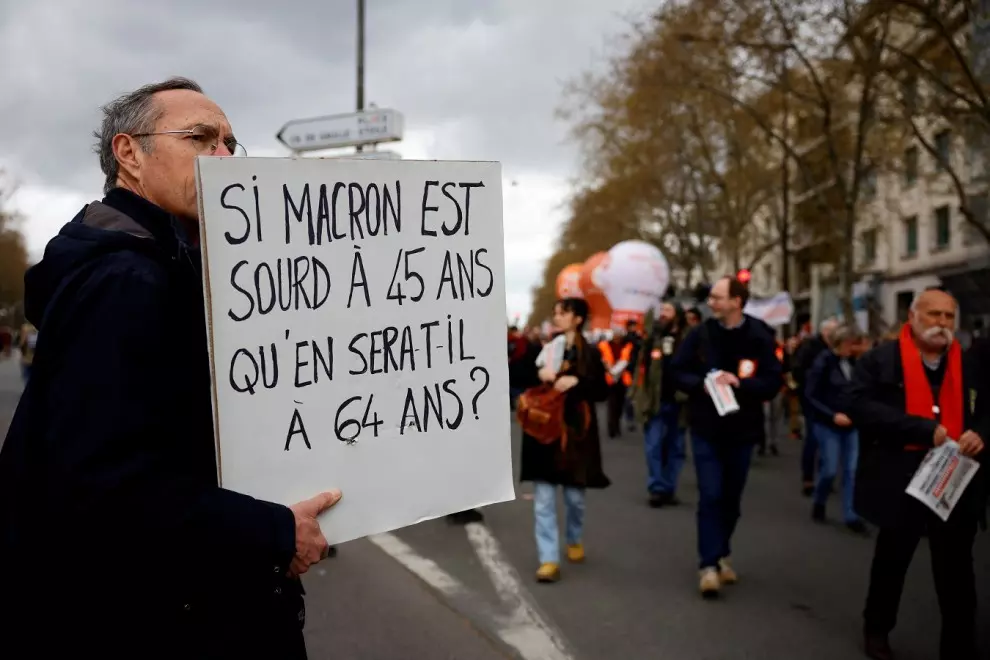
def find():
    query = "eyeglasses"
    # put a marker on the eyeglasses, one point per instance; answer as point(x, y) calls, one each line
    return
point(207, 139)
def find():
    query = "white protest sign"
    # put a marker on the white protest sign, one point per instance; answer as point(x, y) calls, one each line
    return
point(357, 329)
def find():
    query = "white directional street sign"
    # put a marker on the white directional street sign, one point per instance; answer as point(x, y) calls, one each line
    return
point(346, 130)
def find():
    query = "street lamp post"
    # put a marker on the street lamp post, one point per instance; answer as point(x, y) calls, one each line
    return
point(360, 60)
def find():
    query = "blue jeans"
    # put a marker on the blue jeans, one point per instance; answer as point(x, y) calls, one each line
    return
point(25, 372)
point(664, 440)
point(545, 510)
point(835, 444)
point(722, 472)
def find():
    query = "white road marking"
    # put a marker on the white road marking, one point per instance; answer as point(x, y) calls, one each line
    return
point(524, 629)
point(426, 569)
point(530, 632)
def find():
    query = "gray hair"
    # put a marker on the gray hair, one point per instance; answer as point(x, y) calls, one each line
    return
point(134, 112)
point(827, 328)
point(847, 332)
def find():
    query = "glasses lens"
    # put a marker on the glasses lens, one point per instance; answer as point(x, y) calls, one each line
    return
point(235, 148)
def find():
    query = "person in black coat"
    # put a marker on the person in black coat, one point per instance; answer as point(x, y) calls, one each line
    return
point(805, 355)
point(573, 460)
point(116, 538)
point(838, 441)
point(741, 350)
point(906, 397)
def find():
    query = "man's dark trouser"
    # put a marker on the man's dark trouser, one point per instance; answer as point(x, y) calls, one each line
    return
point(951, 547)
point(722, 469)
point(616, 404)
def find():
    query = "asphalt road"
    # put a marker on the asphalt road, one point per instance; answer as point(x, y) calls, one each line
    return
point(800, 594)
point(468, 593)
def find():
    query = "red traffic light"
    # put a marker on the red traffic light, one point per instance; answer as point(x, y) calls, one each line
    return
point(744, 276)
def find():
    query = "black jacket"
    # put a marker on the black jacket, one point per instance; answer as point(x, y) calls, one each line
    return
point(824, 389)
point(804, 356)
point(116, 538)
point(698, 355)
point(875, 402)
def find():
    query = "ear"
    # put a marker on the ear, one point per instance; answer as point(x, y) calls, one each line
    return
point(128, 153)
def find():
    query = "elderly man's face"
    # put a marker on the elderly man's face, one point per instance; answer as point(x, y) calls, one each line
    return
point(167, 174)
point(933, 320)
point(828, 329)
point(845, 348)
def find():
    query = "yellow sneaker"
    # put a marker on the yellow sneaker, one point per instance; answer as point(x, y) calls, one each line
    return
point(710, 583)
point(575, 553)
point(548, 572)
point(725, 573)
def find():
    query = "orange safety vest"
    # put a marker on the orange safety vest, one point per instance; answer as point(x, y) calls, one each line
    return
point(608, 358)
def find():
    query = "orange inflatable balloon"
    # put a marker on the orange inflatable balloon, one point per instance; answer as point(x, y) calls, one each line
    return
point(590, 283)
point(568, 282)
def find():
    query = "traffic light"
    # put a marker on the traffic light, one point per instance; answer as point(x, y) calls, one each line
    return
point(744, 275)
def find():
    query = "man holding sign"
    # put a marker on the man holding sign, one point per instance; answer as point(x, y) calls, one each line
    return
point(906, 397)
point(110, 508)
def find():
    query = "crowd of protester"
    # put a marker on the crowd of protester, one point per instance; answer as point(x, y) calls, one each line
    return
point(866, 410)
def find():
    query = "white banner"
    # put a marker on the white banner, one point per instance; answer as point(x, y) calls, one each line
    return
point(357, 329)
point(775, 311)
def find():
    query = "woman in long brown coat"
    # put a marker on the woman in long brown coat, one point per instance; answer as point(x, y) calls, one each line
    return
point(573, 461)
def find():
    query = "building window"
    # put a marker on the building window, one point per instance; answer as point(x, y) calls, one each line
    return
point(869, 242)
point(943, 227)
point(803, 274)
point(980, 208)
point(911, 236)
point(976, 147)
point(910, 166)
point(943, 148)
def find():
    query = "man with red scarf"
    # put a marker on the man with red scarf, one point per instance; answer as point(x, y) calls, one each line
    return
point(906, 397)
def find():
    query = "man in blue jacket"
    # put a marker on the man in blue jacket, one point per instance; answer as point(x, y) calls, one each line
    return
point(739, 349)
point(116, 540)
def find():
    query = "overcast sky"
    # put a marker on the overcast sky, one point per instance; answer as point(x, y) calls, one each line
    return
point(474, 79)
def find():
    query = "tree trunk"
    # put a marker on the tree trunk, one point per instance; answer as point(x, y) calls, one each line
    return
point(846, 266)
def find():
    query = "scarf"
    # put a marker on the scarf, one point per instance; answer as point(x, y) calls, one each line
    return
point(918, 391)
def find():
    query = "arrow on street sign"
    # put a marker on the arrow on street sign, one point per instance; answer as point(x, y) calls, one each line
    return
point(345, 130)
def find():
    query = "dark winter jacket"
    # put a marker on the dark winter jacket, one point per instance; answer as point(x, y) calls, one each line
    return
point(804, 357)
point(116, 538)
point(711, 346)
point(876, 404)
point(654, 380)
point(824, 390)
point(580, 463)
